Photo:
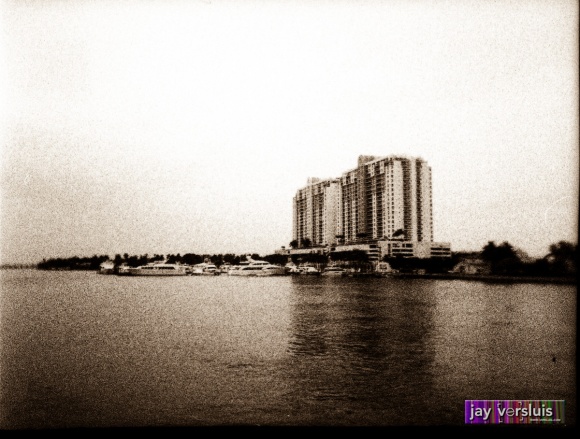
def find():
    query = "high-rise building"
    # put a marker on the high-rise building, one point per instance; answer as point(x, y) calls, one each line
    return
point(316, 212)
point(383, 198)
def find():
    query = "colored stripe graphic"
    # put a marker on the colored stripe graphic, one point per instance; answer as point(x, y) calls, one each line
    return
point(526, 411)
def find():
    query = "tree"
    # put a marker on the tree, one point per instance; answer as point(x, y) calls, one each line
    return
point(489, 251)
point(191, 259)
point(132, 261)
point(357, 259)
point(306, 242)
point(276, 259)
point(506, 251)
point(315, 258)
point(217, 260)
point(564, 250)
point(563, 257)
point(230, 258)
point(294, 243)
point(503, 259)
point(174, 259)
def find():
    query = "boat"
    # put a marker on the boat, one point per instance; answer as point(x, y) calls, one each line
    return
point(233, 268)
point(107, 267)
point(291, 268)
point(123, 270)
point(333, 271)
point(158, 269)
point(384, 269)
point(253, 267)
point(204, 269)
point(274, 270)
point(224, 268)
point(309, 270)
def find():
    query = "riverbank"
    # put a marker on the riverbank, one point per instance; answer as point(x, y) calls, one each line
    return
point(492, 278)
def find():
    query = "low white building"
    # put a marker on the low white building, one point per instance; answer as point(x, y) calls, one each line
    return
point(377, 250)
point(371, 249)
point(414, 249)
point(308, 251)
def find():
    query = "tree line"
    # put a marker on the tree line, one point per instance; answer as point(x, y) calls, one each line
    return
point(502, 259)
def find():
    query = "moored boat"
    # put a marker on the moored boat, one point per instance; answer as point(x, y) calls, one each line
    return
point(204, 269)
point(384, 269)
point(257, 268)
point(333, 271)
point(310, 270)
point(158, 269)
point(123, 270)
point(224, 268)
point(291, 268)
point(107, 267)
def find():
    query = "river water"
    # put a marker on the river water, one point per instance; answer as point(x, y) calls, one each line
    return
point(79, 349)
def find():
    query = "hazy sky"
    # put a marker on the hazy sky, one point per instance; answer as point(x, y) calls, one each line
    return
point(188, 126)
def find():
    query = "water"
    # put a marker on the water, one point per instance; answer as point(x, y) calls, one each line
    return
point(80, 349)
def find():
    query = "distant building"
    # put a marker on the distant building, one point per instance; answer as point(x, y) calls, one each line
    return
point(371, 249)
point(310, 250)
point(414, 249)
point(315, 212)
point(384, 205)
point(377, 250)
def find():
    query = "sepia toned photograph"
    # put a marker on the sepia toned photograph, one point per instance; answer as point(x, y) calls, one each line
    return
point(288, 213)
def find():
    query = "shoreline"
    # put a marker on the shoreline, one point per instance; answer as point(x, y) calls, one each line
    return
point(491, 278)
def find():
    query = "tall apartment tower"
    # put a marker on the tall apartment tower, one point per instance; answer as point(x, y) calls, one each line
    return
point(378, 198)
point(316, 212)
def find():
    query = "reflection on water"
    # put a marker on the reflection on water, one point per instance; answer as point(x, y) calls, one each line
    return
point(81, 349)
point(366, 342)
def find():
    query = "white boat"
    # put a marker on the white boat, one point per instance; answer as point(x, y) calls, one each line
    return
point(107, 267)
point(274, 270)
point(233, 268)
point(224, 268)
point(309, 270)
point(257, 268)
point(123, 269)
point(204, 269)
point(291, 268)
point(384, 269)
point(158, 269)
point(333, 271)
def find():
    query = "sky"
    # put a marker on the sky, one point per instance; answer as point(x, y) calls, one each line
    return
point(165, 127)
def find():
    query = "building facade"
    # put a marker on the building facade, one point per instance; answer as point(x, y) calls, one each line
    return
point(382, 199)
point(315, 210)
